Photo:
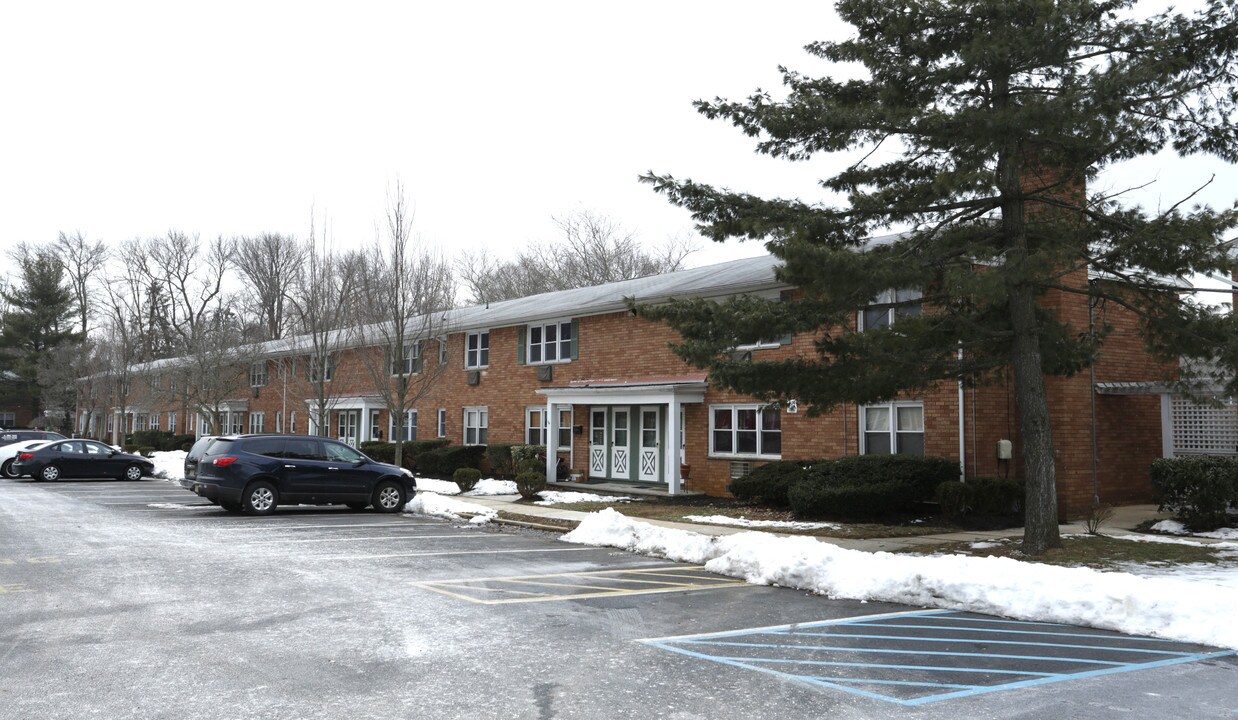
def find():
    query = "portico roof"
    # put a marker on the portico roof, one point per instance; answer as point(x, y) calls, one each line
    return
point(652, 389)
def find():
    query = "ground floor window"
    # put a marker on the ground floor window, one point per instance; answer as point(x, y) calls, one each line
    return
point(535, 426)
point(892, 428)
point(748, 430)
point(8, 419)
point(236, 423)
point(292, 421)
point(139, 422)
point(409, 431)
point(154, 421)
point(257, 422)
point(476, 425)
point(171, 422)
point(442, 422)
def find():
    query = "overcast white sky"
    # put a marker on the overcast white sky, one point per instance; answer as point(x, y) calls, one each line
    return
point(125, 119)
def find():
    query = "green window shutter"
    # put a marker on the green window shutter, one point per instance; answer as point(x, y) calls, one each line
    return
point(575, 339)
point(785, 296)
point(520, 338)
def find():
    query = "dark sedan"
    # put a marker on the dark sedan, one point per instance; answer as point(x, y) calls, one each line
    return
point(82, 459)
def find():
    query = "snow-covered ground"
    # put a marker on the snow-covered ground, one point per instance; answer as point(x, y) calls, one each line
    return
point(770, 524)
point(1173, 527)
point(1166, 607)
point(557, 497)
point(170, 464)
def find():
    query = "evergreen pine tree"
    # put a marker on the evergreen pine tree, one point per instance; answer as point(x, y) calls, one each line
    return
point(39, 318)
point(978, 124)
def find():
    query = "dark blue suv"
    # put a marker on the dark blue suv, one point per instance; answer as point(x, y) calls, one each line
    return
point(257, 473)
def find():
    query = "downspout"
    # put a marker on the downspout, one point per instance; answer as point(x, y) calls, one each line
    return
point(962, 430)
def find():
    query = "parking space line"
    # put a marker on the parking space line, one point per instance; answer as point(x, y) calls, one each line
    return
point(479, 588)
point(457, 552)
point(347, 538)
point(859, 668)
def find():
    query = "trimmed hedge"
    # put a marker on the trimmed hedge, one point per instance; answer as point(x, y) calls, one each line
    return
point(997, 496)
point(529, 458)
point(445, 461)
point(159, 440)
point(768, 484)
point(385, 451)
point(529, 483)
point(869, 485)
point(466, 478)
point(955, 499)
point(499, 455)
point(1198, 489)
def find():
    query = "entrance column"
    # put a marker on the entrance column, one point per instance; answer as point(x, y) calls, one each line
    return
point(672, 457)
point(552, 440)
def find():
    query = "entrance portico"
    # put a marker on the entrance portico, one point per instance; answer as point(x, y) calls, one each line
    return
point(632, 422)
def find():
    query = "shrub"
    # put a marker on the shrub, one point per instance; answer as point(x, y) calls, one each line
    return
point(380, 451)
point(529, 458)
point(814, 499)
point(146, 450)
point(466, 478)
point(768, 484)
point(996, 496)
point(414, 449)
point(500, 457)
point(445, 461)
point(129, 448)
point(955, 499)
point(1198, 489)
point(529, 483)
point(179, 442)
point(869, 485)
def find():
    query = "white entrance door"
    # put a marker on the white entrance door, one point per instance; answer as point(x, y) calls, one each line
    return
point(650, 457)
point(597, 442)
point(350, 422)
point(619, 448)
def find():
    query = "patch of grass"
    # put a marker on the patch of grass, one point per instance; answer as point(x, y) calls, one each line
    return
point(1095, 551)
point(676, 511)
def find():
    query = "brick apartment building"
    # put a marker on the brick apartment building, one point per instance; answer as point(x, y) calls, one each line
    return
point(577, 371)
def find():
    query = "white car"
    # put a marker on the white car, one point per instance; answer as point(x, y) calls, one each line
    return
point(9, 452)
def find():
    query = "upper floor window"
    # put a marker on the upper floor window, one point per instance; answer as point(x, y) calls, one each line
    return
point(550, 343)
point(477, 350)
point(885, 309)
point(410, 363)
point(258, 374)
point(892, 428)
point(328, 365)
point(745, 430)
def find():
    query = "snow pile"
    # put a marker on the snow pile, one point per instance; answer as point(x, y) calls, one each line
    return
point(556, 497)
point(1173, 527)
point(490, 486)
point(1205, 573)
point(1160, 607)
point(440, 487)
point(433, 504)
point(745, 522)
point(169, 464)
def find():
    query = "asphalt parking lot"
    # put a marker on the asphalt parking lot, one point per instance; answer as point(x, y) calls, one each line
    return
point(142, 600)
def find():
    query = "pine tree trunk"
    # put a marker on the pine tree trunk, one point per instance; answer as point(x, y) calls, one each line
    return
point(1040, 530)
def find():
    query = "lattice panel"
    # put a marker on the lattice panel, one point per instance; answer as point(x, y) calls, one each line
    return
point(1203, 430)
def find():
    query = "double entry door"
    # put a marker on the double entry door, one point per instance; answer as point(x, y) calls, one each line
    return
point(625, 443)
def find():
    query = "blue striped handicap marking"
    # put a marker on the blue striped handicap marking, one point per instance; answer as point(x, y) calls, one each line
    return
point(924, 656)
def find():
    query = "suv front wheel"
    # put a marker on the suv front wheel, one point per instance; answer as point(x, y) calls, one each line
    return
point(389, 497)
point(260, 498)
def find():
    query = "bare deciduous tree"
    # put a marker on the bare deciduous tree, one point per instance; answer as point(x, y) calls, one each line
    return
point(83, 260)
point(593, 249)
point(270, 264)
point(410, 287)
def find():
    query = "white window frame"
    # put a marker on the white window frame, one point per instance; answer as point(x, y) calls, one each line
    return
point(236, 425)
point(760, 430)
point(442, 350)
point(893, 430)
point(893, 313)
point(410, 424)
point(530, 413)
point(476, 420)
point(258, 374)
point(559, 343)
point(140, 421)
point(412, 353)
point(292, 422)
point(477, 358)
point(442, 422)
point(154, 421)
point(172, 421)
point(257, 422)
point(327, 374)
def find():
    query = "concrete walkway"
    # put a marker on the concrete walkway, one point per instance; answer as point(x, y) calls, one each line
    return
point(1123, 522)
